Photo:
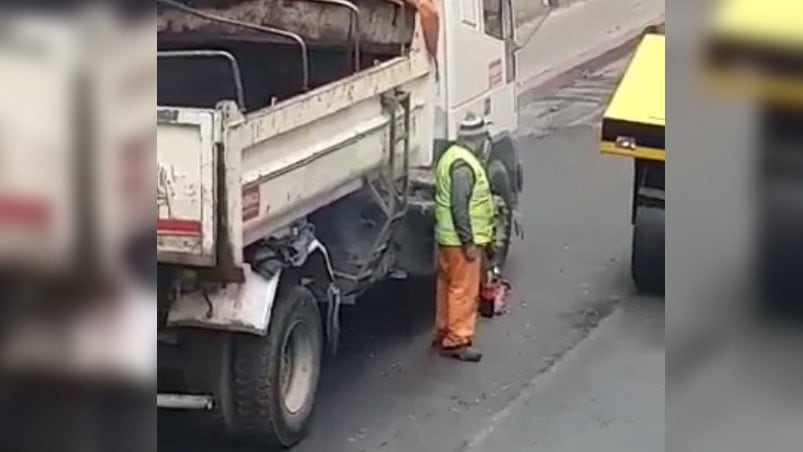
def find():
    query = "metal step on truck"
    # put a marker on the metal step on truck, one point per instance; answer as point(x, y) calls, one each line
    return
point(295, 146)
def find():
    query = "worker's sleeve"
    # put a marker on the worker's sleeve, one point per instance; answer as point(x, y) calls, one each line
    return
point(462, 187)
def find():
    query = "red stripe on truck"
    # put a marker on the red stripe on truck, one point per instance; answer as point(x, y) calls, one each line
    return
point(178, 227)
point(23, 211)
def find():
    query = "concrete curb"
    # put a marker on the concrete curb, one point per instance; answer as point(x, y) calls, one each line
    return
point(595, 58)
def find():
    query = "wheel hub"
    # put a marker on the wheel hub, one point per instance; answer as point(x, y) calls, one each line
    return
point(296, 368)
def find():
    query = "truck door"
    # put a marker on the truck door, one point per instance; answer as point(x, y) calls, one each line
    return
point(480, 72)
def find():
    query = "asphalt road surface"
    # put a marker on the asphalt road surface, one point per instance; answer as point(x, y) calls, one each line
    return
point(388, 391)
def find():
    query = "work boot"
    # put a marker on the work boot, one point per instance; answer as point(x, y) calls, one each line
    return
point(438, 343)
point(462, 353)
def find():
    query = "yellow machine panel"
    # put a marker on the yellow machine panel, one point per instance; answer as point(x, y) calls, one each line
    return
point(755, 49)
point(634, 123)
point(775, 23)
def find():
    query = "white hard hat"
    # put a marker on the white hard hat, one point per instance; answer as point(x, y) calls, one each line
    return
point(473, 126)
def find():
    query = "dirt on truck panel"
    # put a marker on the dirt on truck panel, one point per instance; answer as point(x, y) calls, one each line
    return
point(633, 124)
point(379, 23)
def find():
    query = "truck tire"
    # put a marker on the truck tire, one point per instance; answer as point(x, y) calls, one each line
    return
point(647, 251)
point(275, 376)
point(501, 185)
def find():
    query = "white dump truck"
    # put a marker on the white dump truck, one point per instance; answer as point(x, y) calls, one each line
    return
point(295, 149)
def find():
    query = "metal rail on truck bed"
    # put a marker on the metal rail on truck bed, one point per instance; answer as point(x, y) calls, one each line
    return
point(333, 23)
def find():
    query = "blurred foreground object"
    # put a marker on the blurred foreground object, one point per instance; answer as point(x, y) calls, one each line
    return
point(77, 239)
point(755, 52)
point(39, 112)
point(755, 49)
point(633, 126)
point(77, 143)
point(77, 147)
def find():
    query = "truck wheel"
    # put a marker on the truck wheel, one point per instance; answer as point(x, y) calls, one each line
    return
point(500, 185)
point(276, 376)
point(647, 251)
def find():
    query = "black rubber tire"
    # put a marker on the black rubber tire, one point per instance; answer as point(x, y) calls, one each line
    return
point(501, 185)
point(647, 252)
point(259, 410)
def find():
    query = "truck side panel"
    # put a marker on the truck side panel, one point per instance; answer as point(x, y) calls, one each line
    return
point(298, 172)
point(311, 150)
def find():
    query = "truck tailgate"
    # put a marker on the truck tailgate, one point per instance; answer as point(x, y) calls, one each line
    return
point(186, 150)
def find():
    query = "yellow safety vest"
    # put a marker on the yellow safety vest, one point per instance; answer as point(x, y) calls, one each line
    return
point(481, 205)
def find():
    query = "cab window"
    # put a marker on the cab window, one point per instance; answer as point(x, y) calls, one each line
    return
point(492, 18)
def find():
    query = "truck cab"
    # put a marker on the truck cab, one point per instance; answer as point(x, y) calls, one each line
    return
point(475, 73)
point(477, 66)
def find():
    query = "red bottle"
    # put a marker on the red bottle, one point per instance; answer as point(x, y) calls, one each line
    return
point(488, 294)
point(493, 293)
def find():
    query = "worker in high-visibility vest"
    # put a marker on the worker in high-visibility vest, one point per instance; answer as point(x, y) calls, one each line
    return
point(464, 215)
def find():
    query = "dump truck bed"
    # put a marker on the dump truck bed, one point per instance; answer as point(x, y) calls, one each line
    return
point(332, 23)
point(634, 122)
point(229, 177)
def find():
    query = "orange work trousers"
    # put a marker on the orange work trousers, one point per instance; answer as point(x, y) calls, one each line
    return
point(457, 297)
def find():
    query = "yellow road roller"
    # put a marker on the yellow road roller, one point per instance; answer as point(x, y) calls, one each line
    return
point(754, 51)
point(633, 126)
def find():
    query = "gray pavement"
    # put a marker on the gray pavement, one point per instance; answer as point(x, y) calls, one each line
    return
point(579, 104)
point(575, 29)
point(606, 395)
point(528, 10)
point(531, 10)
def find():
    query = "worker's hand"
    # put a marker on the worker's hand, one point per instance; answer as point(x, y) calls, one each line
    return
point(471, 252)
